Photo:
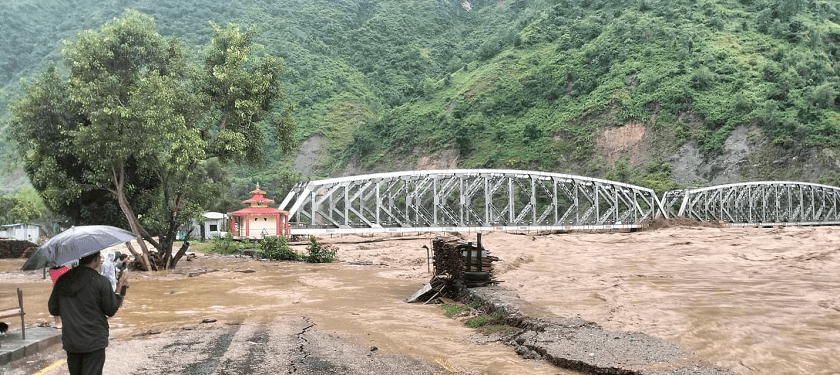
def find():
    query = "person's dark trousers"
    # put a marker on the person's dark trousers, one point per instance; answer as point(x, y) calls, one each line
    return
point(86, 363)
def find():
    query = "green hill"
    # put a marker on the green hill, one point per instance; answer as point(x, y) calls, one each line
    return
point(657, 93)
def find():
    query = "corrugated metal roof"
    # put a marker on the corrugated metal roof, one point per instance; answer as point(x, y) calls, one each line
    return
point(214, 215)
point(18, 225)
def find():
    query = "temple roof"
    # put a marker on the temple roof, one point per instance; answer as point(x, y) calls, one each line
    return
point(257, 211)
point(258, 198)
point(257, 190)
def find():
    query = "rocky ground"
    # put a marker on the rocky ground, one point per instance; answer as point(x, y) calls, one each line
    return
point(578, 345)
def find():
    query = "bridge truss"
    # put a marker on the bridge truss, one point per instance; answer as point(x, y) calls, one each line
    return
point(467, 200)
point(758, 203)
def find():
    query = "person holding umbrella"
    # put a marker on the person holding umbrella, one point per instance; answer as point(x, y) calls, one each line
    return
point(74, 243)
point(84, 300)
point(82, 297)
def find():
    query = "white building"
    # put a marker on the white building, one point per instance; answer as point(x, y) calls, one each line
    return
point(214, 225)
point(21, 232)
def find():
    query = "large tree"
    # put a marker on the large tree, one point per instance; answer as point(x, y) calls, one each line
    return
point(130, 118)
point(21, 206)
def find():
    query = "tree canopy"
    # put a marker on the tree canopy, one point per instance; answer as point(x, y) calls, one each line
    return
point(21, 206)
point(129, 118)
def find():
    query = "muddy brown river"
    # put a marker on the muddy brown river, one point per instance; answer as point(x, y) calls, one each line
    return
point(751, 300)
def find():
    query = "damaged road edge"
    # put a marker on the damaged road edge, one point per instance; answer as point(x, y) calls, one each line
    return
point(579, 345)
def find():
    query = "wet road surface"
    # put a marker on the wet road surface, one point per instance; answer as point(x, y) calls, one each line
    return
point(279, 318)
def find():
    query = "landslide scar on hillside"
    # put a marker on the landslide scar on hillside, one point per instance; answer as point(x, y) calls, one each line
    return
point(625, 141)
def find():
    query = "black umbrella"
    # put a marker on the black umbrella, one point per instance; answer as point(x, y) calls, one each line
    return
point(75, 243)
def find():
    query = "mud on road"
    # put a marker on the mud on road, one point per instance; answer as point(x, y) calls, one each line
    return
point(265, 317)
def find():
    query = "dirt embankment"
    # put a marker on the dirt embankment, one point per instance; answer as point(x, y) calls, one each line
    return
point(15, 248)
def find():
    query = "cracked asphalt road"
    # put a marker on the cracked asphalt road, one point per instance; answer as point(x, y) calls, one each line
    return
point(284, 346)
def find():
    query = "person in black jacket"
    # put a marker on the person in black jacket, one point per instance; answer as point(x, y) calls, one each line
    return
point(84, 300)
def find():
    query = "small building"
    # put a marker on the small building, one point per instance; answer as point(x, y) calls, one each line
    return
point(214, 225)
point(258, 220)
point(21, 232)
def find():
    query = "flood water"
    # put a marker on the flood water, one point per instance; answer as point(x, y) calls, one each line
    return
point(751, 300)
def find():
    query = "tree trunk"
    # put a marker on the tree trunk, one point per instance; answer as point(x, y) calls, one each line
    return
point(183, 250)
point(164, 246)
point(180, 253)
point(133, 222)
point(167, 239)
point(143, 258)
point(166, 243)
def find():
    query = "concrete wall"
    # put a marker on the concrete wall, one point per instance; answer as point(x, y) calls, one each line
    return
point(22, 232)
point(259, 223)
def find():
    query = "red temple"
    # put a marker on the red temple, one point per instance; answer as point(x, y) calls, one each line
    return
point(258, 220)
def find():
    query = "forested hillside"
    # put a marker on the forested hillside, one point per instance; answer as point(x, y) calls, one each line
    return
point(657, 93)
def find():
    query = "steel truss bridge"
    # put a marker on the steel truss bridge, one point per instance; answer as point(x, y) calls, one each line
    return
point(466, 200)
point(490, 199)
point(767, 203)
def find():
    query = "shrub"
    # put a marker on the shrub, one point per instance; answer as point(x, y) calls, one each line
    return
point(701, 78)
point(319, 253)
point(224, 245)
point(277, 248)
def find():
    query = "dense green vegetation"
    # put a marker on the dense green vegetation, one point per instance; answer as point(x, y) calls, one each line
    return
point(128, 120)
point(22, 206)
point(277, 248)
point(535, 97)
point(274, 248)
point(506, 84)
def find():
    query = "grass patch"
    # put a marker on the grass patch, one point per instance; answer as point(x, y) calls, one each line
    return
point(485, 324)
point(497, 328)
point(195, 246)
point(480, 321)
point(452, 310)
